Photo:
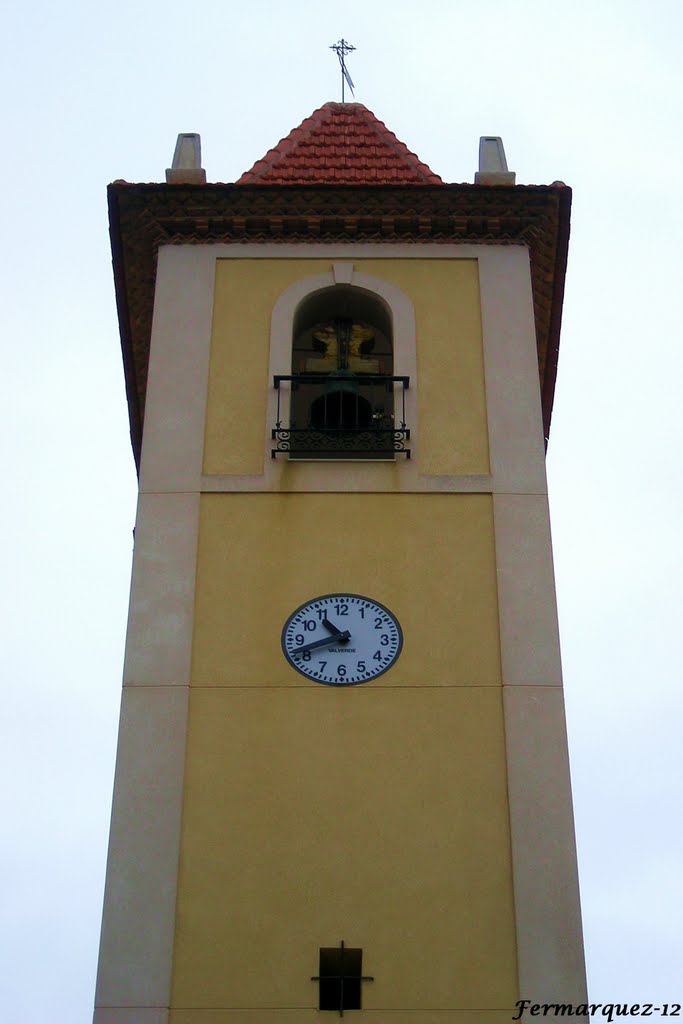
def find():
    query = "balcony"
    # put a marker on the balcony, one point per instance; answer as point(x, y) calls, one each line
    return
point(341, 415)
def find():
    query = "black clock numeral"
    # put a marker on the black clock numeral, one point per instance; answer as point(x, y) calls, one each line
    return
point(342, 608)
point(299, 639)
point(377, 656)
point(322, 665)
point(309, 625)
point(341, 671)
point(306, 655)
point(361, 667)
point(384, 639)
point(378, 622)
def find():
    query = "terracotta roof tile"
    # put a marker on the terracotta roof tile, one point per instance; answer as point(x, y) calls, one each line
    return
point(340, 144)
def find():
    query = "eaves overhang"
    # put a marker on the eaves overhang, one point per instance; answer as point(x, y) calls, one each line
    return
point(143, 217)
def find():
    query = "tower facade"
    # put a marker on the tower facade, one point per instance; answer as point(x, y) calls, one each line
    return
point(342, 781)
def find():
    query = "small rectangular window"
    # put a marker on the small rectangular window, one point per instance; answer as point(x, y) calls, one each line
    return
point(340, 978)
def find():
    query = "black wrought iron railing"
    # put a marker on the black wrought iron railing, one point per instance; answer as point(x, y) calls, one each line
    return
point(342, 415)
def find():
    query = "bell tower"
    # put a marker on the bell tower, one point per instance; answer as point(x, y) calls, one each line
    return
point(342, 784)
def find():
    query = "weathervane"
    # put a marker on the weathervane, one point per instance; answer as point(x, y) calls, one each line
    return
point(341, 49)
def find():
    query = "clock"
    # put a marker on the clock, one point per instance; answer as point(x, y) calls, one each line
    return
point(342, 639)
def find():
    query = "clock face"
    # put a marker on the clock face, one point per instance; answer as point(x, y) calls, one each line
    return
point(342, 639)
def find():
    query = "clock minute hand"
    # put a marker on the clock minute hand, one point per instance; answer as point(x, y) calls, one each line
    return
point(325, 642)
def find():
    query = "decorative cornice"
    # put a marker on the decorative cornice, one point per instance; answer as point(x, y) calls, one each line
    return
point(142, 217)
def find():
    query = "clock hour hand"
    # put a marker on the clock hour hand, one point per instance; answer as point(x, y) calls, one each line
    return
point(333, 629)
point(327, 641)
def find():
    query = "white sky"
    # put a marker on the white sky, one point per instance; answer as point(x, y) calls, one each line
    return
point(589, 93)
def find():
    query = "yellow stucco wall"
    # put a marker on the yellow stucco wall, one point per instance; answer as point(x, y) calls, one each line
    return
point(430, 558)
point(376, 814)
point(244, 296)
point(445, 295)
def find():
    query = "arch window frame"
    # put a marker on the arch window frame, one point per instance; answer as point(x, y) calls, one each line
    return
point(401, 319)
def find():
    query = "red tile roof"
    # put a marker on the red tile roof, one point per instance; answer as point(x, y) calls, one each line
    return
point(340, 144)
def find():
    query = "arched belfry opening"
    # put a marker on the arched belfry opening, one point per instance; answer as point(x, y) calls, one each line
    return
point(342, 381)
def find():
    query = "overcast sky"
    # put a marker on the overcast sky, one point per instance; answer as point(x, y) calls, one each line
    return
point(589, 93)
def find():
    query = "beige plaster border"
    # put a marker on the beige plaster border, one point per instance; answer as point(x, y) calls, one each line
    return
point(177, 386)
point(131, 1015)
point(513, 397)
point(359, 477)
point(529, 635)
point(160, 617)
point(545, 878)
point(138, 920)
point(545, 875)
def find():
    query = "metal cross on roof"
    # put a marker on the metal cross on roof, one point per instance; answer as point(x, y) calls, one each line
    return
point(341, 49)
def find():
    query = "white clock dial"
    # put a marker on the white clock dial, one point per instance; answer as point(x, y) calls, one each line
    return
point(342, 639)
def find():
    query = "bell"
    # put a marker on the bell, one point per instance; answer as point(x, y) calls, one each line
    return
point(341, 407)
